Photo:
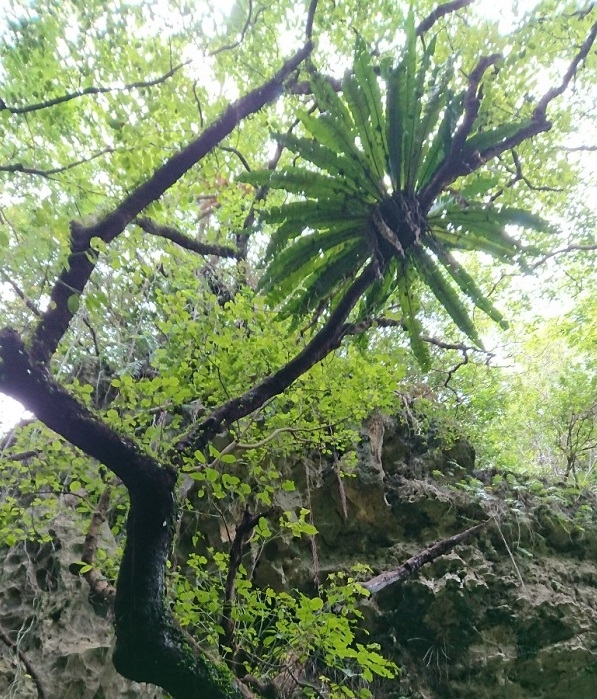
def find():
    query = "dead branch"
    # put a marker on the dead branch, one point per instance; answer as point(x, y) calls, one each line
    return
point(414, 563)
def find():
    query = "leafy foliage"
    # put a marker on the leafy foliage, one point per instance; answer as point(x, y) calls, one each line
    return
point(182, 361)
point(366, 178)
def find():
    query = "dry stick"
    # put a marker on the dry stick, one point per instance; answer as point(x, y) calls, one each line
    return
point(98, 584)
point(82, 259)
point(413, 564)
point(41, 692)
point(184, 241)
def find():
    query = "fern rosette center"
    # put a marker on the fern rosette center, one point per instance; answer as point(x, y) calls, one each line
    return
point(398, 223)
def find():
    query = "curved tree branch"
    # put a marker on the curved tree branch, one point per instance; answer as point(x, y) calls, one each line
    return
point(460, 163)
point(183, 240)
point(82, 259)
point(150, 645)
point(439, 12)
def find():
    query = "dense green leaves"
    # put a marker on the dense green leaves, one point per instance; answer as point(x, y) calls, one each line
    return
point(361, 172)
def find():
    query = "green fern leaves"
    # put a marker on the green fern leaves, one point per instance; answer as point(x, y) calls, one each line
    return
point(353, 197)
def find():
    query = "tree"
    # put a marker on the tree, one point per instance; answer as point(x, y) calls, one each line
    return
point(121, 166)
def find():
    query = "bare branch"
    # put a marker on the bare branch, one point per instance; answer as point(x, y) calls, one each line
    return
point(471, 103)
point(564, 251)
point(541, 109)
point(439, 12)
point(577, 149)
point(90, 91)
point(239, 155)
point(413, 564)
point(23, 455)
point(82, 259)
point(19, 167)
point(21, 294)
point(310, 19)
point(238, 42)
point(458, 163)
point(242, 534)
point(183, 240)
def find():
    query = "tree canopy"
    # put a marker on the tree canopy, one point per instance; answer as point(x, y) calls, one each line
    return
point(230, 233)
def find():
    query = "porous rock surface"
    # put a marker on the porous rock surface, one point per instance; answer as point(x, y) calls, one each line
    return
point(510, 614)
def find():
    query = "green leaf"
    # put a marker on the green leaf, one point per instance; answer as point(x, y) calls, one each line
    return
point(334, 163)
point(299, 181)
point(409, 304)
point(486, 140)
point(297, 257)
point(325, 280)
point(467, 284)
point(363, 96)
point(445, 294)
point(73, 303)
point(398, 104)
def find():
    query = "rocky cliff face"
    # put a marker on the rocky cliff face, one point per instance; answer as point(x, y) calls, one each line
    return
point(511, 613)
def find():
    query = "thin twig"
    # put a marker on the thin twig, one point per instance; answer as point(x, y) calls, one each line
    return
point(238, 42)
point(89, 91)
point(563, 251)
point(19, 167)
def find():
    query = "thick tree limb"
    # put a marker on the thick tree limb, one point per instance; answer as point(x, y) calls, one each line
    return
point(326, 340)
point(183, 240)
point(150, 646)
point(392, 577)
point(82, 259)
point(439, 12)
